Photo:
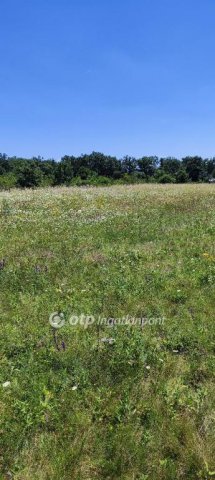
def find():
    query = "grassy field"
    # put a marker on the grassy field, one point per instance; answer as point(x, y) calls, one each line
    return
point(108, 402)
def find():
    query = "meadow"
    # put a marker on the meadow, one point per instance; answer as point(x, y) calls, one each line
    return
point(131, 402)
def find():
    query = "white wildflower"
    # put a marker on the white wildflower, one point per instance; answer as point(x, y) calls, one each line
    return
point(6, 384)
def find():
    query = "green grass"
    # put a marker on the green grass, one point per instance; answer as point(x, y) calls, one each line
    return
point(143, 408)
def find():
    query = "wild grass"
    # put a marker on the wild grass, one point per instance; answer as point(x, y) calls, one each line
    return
point(142, 407)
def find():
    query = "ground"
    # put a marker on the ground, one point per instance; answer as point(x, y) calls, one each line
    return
point(131, 402)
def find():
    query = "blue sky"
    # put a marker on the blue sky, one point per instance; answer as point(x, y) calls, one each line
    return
point(117, 76)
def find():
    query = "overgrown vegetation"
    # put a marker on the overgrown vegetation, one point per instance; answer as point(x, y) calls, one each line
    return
point(74, 405)
point(99, 169)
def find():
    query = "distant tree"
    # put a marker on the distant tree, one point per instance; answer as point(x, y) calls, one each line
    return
point(84, 170)
point(99, 180)
point(166, 178)
point(98, 163)
point(182, 176)
point(194, 167)
point(4, 164)
point(147, 165)
point(129, 165)
point(7, 181)
point(132, 178)
point(210, 166)
point(117, 174)
point(170, 165)
point(103, 165)
point(213, 173)
point(85, 173)
point(29, 176)
point(64, 171)
point(48, 170)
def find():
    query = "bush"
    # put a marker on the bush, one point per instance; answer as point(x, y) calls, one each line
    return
point(93, 180)
point(77, 182)
point(182, 176)
point(166, 178)
point(47, 181)
point(100, 180)
point(131, 178)
point(7, 181)
point(29, 176)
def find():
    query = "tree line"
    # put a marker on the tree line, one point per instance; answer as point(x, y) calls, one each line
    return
point(100, 169)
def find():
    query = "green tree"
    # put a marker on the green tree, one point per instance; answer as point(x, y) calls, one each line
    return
point(129, 165)
point(7, 181)
point(195, 168)
point(29, 176)
point(166, 178)
point(147, 166)
point(182, 176)
point(170, 165)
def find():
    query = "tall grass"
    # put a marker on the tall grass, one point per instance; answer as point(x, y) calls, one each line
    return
point(73, 404)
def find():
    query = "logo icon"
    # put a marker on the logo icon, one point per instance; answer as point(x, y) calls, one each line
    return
point(57, 320)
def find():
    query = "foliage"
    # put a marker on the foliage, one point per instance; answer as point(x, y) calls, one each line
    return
point(163, 177)
point(92, 169)
point(194, 167)
point(29, 176)
point(7, 181)
point(182, 176)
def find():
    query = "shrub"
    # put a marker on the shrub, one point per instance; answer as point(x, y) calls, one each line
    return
point(166, 178)
point(100, 180)
point(7, 181)
point(182, 176)
point(29, 176)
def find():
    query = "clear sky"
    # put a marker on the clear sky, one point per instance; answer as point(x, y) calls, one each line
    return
point(132, 77)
